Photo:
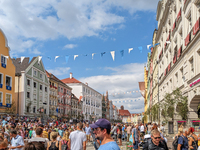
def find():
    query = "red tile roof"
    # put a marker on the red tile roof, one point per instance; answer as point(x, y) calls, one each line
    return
point(72, 80)
point(124, 113)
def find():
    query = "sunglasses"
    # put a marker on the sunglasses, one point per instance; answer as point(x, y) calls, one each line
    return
point(157, 137)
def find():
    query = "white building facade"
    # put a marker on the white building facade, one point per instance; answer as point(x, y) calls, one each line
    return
point(179, 53)
point(92, 100)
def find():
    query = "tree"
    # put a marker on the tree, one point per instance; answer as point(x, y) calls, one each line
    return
point(12, 109)
point(169, 103)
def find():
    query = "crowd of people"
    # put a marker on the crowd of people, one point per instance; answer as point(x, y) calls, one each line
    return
point(30, 134)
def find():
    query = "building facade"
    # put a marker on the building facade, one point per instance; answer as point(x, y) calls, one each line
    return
point(92, 100)
point(53, 95)
point(111, 114)
point(7, 77)
point(179, 54)
point(75, 103)
point(32, 87)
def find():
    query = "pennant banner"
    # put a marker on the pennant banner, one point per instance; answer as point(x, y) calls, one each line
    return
point(129, 50)
point(56, 57)
point(122, 53)
point(66, 58)
point(22, 58)
point(113, 55)
point(75, 56)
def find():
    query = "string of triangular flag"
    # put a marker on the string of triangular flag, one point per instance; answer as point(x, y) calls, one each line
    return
point(127, 92)
point(140, 48)
point(127, 101)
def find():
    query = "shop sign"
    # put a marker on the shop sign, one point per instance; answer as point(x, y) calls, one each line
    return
point(181, 121)
point(195, 82)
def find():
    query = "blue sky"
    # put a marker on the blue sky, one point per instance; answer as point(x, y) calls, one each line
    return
point(58, 28)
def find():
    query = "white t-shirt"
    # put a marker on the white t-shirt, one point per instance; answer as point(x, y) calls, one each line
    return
point(77, 138)
point(142, 128)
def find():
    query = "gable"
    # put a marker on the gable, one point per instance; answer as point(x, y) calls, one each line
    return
point(39, 66)
point(29, 72)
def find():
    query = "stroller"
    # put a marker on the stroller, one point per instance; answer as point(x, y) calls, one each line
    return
point(146, 138)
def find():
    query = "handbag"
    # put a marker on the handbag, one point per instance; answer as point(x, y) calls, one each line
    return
point(131, 138)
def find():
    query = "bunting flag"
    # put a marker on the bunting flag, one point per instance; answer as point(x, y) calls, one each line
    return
point(93, 55)
point(49, 57)
point(66, 58)
point(7, 57)
point(129, 50)
point(156, 44)
point(102, 54)
point(39, 59)
point(22, 58)
point(56, 57)
point(122, 53)
point(113, 55)
point(148, 46)
point(75, 56)
point(140, 48)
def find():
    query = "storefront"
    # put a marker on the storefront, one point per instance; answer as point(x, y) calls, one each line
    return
point(196, 125)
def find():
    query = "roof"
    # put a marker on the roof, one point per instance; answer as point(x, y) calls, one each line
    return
point(72, 80)
point(21, 66)
point(50, 75)
point(74, 97)
point(124, 113)
point(113, 106)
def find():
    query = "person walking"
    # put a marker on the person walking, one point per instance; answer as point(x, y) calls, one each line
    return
point(136, 137)
point(77, 139)
point(193, 139)
point(182, 139)
point(155, 143)
point(119, 136)
point(54, 144)
point(128, 132)
point(102, 132)
point(87, 132)
point(17, 142)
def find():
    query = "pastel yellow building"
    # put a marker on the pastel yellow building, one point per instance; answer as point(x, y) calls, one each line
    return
point(7, 76)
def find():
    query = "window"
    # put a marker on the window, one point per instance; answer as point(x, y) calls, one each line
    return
point(40, 87)
point(34, 109)
point(34, 96)
point(191, 67)
point(40, 75)
point(28, 95)
point(28, 82)
point(8, 99)
point(34, 84)
point(59, 100)
point(35, 72)
point(8, 81)
point(45, 89)
point(3, 59)
point(45, 111)
point(49, 102)
point(1, 97)
point(1, 78)
point(61, 90)
point(58, 89)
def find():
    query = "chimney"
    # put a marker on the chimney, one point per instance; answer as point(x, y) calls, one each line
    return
point(70, 75)
point(86, 83)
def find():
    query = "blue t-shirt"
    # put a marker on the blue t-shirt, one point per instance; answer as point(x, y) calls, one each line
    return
point(60, 132)
point(87, 130)
point(184, 142)
point(4, 122)
point(109, 146)
point(123, 128)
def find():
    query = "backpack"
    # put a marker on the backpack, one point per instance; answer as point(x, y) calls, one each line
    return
point(175, 142)
point(53, 146)
point(64, 145)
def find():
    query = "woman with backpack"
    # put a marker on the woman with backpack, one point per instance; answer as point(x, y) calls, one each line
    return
point(64, 141)
point(54, 144)
point(193, 139)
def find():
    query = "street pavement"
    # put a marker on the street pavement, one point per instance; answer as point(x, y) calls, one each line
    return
point(123, 147)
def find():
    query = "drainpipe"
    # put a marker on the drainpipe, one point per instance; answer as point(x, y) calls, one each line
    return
point(18, 75)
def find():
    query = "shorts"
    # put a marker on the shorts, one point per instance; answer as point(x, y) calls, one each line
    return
point(135, 145)
point(119, 136)
point(88, 137)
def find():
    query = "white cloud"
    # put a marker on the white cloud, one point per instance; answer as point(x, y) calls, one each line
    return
point(124, 78)
point(70, 46)
point(59, 71)
point(33, 20)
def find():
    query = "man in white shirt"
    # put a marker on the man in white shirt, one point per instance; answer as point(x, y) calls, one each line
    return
point(142, 130)
point(77, 139)
point(17, 142)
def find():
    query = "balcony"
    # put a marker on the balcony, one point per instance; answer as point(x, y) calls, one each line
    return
point(1, 85)
point(187, 39)
point(179, 18)
point(8, 105)
point(186, 2)
point(8, 88)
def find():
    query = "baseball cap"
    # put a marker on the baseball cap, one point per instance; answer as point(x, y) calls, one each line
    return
point(102, 123)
